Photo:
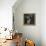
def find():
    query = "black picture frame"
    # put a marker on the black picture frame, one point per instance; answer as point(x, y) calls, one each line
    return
point(29, 19)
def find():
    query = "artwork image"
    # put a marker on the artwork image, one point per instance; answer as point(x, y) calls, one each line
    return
point(29, 19)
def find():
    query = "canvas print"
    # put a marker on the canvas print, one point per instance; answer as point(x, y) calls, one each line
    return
point(29, 19)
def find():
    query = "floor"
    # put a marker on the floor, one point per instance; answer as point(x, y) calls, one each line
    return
point(9, 43)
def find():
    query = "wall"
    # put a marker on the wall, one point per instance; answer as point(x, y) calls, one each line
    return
point(43, 22)
point(29, 31)
point(6, 13)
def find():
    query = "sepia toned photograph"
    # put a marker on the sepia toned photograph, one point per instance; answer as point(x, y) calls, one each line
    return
point(22, 22)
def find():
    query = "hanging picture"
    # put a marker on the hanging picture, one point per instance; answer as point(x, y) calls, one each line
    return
point(29, 19)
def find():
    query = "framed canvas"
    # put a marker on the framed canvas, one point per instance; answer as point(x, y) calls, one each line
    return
point(29, 19)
